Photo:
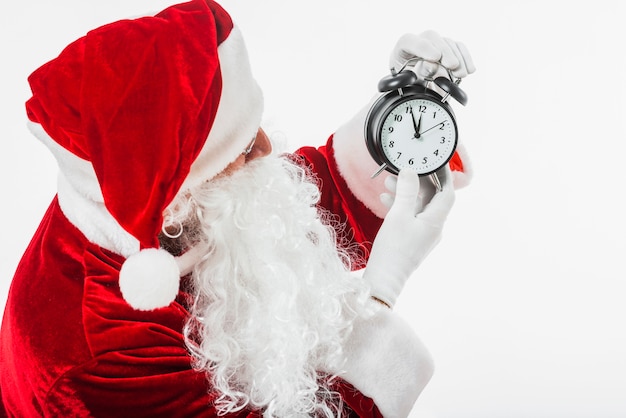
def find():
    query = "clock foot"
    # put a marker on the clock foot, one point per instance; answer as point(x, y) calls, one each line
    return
point(380, 170)
point(436, 182)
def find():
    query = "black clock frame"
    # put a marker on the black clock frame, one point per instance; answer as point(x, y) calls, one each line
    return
point(381, 109)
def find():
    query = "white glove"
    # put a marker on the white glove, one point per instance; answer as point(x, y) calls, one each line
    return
point(407, 234)
point(387, 198)
point(426, 192)
point(433, 48)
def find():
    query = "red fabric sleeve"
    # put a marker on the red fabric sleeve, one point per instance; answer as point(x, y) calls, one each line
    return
point(360, 225)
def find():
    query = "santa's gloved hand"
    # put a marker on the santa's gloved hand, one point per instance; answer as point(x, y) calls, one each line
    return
point(386, 198)
point(407, 234)
point(434, 49)
point(426, 191)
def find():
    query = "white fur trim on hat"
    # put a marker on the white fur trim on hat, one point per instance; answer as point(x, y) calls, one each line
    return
point(238, 115)
point(80, 199)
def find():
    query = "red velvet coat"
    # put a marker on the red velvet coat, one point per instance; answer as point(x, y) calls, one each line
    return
point(71, 346)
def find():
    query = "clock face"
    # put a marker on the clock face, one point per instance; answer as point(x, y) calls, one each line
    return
point(419, 134)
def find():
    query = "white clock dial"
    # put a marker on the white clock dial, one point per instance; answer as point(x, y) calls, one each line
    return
point(418, 134)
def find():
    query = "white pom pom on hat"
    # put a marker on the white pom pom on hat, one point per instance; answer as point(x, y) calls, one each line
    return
point(149, 279)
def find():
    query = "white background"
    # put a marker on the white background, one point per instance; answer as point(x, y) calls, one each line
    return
point(522, 304)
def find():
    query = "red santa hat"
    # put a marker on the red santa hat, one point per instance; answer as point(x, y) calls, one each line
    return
point(137, 110)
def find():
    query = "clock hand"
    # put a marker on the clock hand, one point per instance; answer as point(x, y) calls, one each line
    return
point(416, 124)
point(433, 127)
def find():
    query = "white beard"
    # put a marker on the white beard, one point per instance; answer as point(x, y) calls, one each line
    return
point(274, 299)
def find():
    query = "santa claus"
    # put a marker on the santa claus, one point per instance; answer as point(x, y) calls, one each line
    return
point(185, 269)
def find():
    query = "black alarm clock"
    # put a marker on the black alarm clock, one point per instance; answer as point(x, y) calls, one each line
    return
point(413, 126)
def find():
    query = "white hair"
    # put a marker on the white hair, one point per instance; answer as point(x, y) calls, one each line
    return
point(273, 299)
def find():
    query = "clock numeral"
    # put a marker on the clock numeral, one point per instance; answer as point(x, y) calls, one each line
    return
point(443, 140)
point(397, 118)
point(411, 161)
point(443, 125)
point(435, 115)
point(390, 129)
point(425, 160)
point(391, 144)
point(399, 155)
point(436, 153)
point(422, 108)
